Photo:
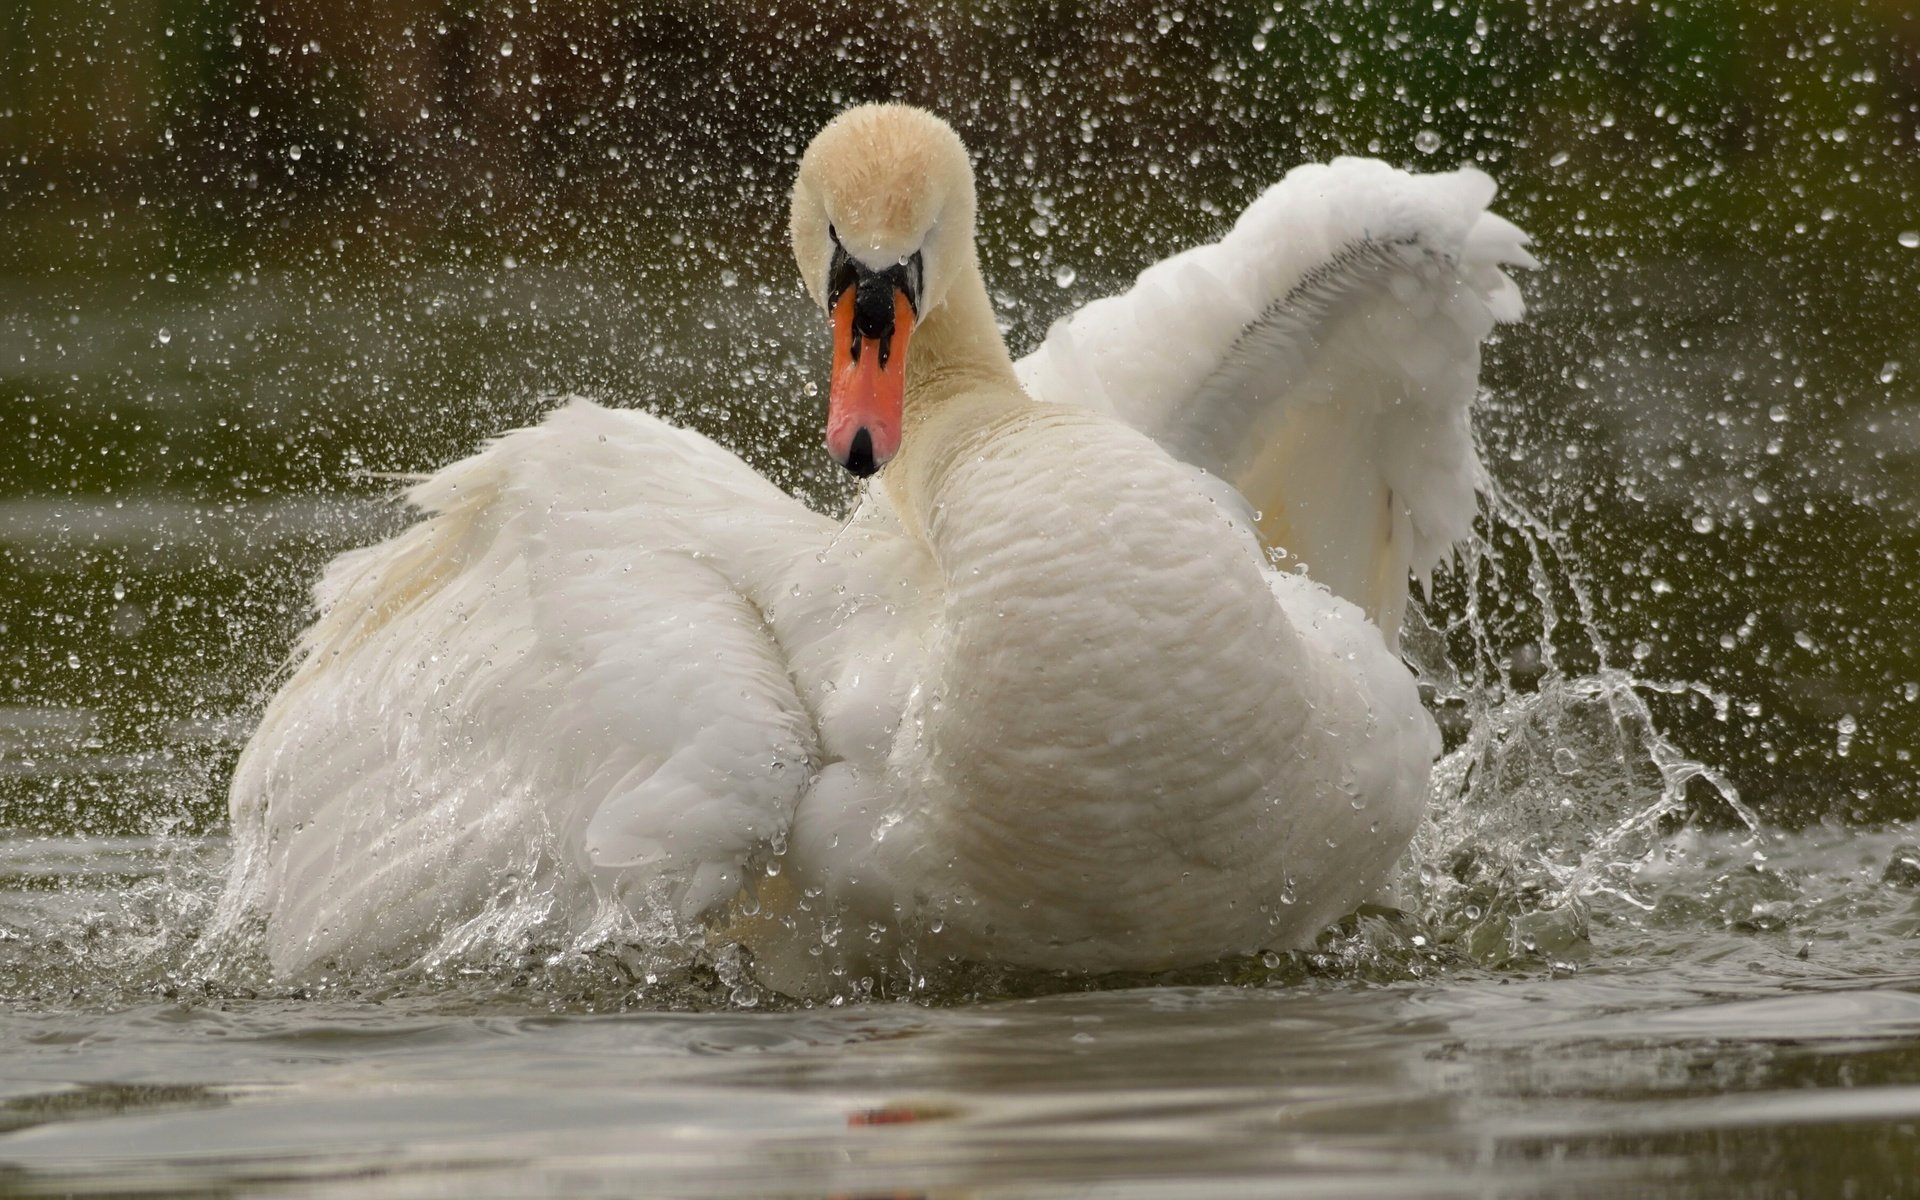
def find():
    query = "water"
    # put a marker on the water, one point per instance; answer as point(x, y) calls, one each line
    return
point(1756, 1033)
point(1617, 972)
point(1659, 937)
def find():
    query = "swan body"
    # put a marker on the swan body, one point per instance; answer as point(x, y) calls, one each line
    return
point(1043, 700)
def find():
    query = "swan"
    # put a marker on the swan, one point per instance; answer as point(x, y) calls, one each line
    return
point(1100, 674)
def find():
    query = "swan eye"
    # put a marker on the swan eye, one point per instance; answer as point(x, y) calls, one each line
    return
point(841, 273)
point(913, 274)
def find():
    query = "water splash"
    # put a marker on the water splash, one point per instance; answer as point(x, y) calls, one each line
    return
point(1563, 786)
point(1561, 795)
point(104, 920)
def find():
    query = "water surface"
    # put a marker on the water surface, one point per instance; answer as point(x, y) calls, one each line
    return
point(1769, 1058)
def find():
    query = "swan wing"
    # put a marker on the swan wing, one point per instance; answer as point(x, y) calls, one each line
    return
point(562, 671)
point(1322, 358)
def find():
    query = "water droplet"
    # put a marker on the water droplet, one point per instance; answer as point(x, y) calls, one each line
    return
point(1702, 523)
point(165, 335)
point(1911, 239)
point(1426, 141)
point(1064, 276)
point(294, 153)
point(506, 49)
point(1566, 762)
point(1259, 41)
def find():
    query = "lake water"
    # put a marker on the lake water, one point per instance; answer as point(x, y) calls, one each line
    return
point(1760, 1038)
point(1614, 977)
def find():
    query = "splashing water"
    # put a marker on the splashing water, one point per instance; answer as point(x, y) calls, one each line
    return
point(1560, 792)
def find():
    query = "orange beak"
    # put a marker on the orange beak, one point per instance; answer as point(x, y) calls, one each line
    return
point(869, 380)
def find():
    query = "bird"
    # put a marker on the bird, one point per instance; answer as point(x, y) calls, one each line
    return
point(1100, 674)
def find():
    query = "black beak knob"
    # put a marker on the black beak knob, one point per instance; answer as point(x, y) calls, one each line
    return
point(860, 455)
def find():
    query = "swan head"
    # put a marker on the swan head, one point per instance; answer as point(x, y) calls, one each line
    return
point(882, 224)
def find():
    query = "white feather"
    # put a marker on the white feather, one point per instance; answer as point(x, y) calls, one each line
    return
point(1072, 720)
point(1322, 357)
point(547, 680)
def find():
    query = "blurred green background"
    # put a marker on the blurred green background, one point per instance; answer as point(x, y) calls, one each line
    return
point(257, 254)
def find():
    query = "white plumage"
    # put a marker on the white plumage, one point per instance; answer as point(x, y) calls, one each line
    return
point(1042, 700)
point(1323, 358)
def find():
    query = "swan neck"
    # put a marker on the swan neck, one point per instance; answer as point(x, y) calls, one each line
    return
point(957, 348)
point(961, 387)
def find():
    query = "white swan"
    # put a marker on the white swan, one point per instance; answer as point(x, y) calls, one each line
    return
point(1042, 701)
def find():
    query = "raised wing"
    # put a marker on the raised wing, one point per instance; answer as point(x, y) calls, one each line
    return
point(1323, 358)
point(562, 670)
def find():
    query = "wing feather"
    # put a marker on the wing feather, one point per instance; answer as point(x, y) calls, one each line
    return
point(1323, 358)
point(562, 670)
